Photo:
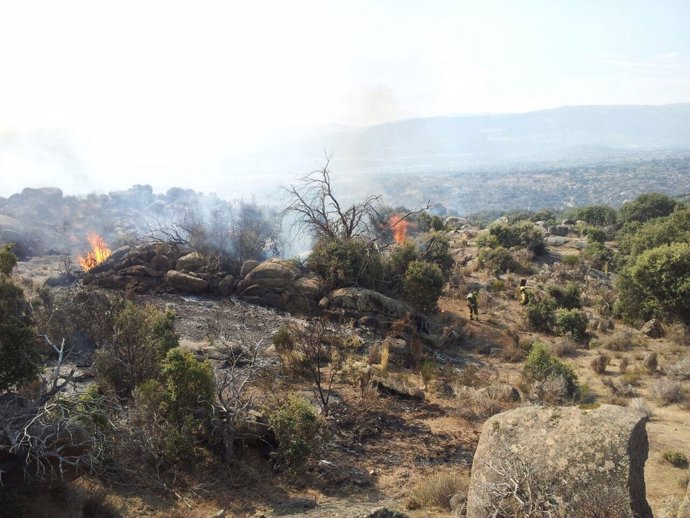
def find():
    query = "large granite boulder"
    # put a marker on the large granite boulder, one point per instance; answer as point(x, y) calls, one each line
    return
point(570, 458)
point(190, 262)
point(359, 302)
point(281, 284)
point(186, 283)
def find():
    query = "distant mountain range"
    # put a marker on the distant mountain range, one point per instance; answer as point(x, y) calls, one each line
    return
point(568, 134)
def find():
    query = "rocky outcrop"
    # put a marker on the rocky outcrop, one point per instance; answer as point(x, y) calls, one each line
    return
point(359, 302)
point(558, 230)
point(190, 262)
point(281, 284)
point(186, 283)
point(575, 455)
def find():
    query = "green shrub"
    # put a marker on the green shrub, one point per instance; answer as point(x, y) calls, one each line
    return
point(598, 255)
point(647, 206)
point(597, 215)
point(423, 285)
point(189, 383)
point(7, 260)
point(657, 283)
point(571, 322)
point(540, 314)
point(595, 235)
point(349, 262)
point(570, 260)
point(497, 260)
point(436, 250)
point(568, 297)
point(541, 365)
point(283, 340)
point(297, 429)
point(676, 459)
point(524, 234)
point(19, 357)
point(142, 337)
point(675, 228)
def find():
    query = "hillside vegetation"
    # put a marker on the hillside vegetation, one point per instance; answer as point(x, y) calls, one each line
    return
point(370, 390)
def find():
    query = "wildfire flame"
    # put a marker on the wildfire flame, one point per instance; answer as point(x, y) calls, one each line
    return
point(99, 253)
point(399, 227)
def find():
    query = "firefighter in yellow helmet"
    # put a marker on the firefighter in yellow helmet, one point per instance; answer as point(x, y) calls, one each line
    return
point(524, 293)
point(472, 304)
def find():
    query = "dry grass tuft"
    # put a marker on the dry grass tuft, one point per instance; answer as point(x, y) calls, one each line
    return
point(437, 491)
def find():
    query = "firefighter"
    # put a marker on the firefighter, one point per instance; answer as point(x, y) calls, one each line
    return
point(524, 293)
point(472, 302)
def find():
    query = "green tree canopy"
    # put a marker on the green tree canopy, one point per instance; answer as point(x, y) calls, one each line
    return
point(647, 206)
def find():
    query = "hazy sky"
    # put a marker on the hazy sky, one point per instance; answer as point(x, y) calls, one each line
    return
point(134, 84)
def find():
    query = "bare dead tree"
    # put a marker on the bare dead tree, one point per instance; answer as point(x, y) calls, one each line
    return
point(320, 214)
point(323, 353)
point(234, 397)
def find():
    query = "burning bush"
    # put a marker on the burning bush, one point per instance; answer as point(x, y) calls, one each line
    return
point(99, 252)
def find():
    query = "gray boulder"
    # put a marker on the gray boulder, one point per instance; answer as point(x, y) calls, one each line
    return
point(248, 266)
point(363, 302)
point(191, 262)
point(558, 230)
point(279, 283)
point(186, 283)
point(577, 458)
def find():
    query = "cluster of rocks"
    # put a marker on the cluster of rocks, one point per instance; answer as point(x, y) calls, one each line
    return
point(276, 283)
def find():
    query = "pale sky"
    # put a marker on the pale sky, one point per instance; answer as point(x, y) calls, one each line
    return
point(158, 83)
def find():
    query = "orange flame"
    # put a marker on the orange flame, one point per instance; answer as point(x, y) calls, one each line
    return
point(399, 227)
point(99, 253)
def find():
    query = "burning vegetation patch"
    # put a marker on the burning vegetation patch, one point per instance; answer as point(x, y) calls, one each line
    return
point(99, 252)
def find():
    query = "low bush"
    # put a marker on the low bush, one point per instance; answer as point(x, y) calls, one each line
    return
point(142, 337)
point(423, 285)
point(572, 322)
point(564, 348)
point(540, 315)
point(297, 429)
point(620, 341)
point(666, 392)
point(283, 340)
point(676, 459)
point(349, 262)
point(599, 363)
point(568, 297)
point(650, 362)
point(436, 491)
point(497, 260)
point(680, 370)
point(541, 365)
